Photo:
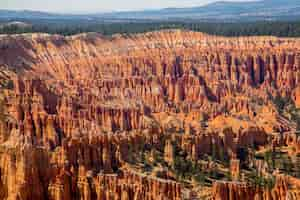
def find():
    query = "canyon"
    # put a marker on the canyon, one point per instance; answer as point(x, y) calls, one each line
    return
point(153, 116)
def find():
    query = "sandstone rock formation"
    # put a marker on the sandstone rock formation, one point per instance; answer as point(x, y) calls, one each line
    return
point(235, 190)
point(74, 111)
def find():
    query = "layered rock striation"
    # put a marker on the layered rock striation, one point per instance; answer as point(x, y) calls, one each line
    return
point(236, 190)
point(74, 108)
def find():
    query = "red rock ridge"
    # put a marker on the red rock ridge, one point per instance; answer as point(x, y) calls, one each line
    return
point(79, 104)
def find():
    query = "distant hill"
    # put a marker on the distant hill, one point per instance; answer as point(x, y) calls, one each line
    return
point(225, 11)
point(16, 24)
point(219, 11)
point(25, 14)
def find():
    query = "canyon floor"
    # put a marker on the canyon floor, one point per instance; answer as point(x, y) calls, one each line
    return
point(164, 115)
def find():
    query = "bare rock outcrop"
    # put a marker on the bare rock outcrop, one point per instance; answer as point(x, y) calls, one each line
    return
point(237, 190)
point(74, 111)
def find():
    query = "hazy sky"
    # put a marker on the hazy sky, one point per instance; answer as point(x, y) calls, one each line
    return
point(97, 5)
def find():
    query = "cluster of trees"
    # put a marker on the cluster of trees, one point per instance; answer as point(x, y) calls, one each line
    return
point(186, 169)
point(282, 161)
point(8, 84)
point(287, 108)
point(282, 103)
point(260, 181)
point(2, 111)
point(283, 29)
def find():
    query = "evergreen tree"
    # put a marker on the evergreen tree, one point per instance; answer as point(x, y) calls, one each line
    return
point(297, 166)
point(214, 154)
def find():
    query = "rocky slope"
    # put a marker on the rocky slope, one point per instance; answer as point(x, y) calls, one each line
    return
point(74, 110)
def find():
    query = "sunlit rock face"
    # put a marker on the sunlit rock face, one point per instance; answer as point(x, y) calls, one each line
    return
point(235, 190)
point(73, 108)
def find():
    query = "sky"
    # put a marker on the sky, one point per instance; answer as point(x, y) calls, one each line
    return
point(68, 6)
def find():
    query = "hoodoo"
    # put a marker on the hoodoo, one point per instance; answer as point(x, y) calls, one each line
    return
point(153, 116)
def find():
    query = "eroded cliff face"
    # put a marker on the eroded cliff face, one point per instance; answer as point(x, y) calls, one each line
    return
point(284, 188)
point(74, 109)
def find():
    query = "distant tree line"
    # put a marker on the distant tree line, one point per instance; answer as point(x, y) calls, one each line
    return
point(282, 29)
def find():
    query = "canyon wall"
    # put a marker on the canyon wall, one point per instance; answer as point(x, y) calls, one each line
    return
point(72, 108)
point(235, 190)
